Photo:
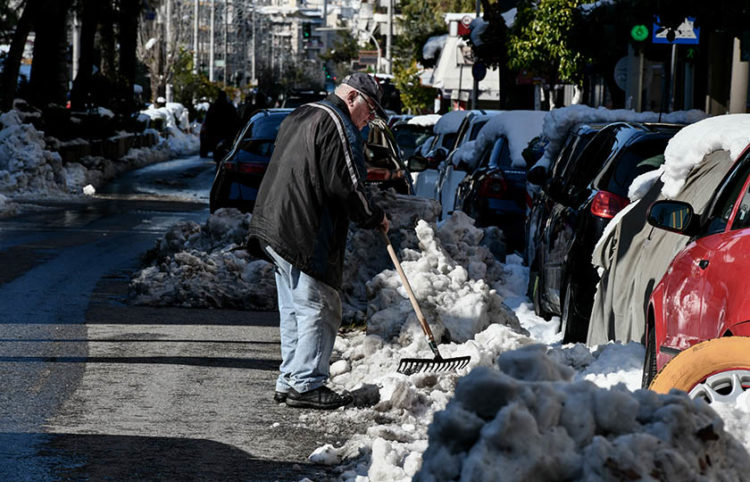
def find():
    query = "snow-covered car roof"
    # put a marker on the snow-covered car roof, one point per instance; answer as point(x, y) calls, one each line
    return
point(518, 126)
point(450, 121)
point(558, 122)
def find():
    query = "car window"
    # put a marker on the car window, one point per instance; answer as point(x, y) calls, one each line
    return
point(475, 130)
point(448, 140)
point(634, 160)
point(721, 209)
point(582, 169)
point(500, 156)
point(261, 147)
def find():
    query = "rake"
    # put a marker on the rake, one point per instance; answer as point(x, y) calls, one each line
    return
point(408, 366)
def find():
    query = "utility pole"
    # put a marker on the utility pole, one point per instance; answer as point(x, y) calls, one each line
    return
point(475, 89)
point(211, 42)
point(196, 9)
point(389, 40)
point(226, 42)
point(168, 49)
point(253, 79)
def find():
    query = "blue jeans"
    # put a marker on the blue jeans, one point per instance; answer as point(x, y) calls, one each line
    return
point(310, 316)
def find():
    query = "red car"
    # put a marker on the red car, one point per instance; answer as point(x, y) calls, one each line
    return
point(703, 296)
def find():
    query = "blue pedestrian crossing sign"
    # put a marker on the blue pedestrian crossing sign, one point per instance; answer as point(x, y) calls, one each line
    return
point(686, 34)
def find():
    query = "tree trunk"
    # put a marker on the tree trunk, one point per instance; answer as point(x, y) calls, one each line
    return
point(128, 36)
point(107, 40)
point(49, 67)
point(13, 60)
point(82, 84)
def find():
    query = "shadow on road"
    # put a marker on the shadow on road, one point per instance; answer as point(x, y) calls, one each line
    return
point(123, 457)
point(202, 361)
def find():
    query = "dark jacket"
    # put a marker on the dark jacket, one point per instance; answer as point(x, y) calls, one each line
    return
point(313, 189)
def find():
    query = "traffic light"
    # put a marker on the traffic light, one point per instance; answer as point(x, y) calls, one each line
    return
point(306, 30)
point(326, 71)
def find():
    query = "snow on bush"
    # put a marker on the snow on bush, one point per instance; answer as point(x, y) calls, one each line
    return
point(526, 420)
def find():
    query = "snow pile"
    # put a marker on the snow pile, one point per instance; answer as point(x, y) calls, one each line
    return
point(455, 290)
point(26, 166)
point(176, 127)
point(206, 266)
point(518, 126)
point(527, 421)
point(558, 122)
point(688, 147)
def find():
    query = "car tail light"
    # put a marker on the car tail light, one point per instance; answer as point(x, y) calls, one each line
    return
point(606, 205)
point(378, 174)
point(493, 186)
point(246, 167)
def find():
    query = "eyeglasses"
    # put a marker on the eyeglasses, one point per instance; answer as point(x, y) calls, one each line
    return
point(370, 106)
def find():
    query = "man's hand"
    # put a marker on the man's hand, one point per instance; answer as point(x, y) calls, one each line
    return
point(384, 224)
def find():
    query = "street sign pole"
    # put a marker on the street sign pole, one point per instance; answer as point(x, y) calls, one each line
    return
point(671, 78)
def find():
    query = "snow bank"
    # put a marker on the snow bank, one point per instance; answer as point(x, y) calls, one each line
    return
point(31, 167)
point(526, 420)
point(559, 121)
point(206, 266)
point(26, 166)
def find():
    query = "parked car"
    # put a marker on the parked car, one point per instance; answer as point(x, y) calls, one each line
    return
point(543, 200)
point(240, 173)
point(703, 294)
point(445, 132)
point(493, 190)
point(410, 136)
point(587, 194)
point(448, 175)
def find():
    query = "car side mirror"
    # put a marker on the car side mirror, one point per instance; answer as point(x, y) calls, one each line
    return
point(674, 216)
point(416, 163)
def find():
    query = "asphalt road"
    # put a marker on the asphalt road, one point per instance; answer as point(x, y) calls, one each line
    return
point(93, 387)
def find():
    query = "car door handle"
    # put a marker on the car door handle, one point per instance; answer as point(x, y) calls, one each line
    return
point(703, 264)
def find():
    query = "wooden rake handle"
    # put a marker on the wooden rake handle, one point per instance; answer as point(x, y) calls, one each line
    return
point(412, 298)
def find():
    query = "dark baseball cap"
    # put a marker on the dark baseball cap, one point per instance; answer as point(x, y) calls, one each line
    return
point(367, 85)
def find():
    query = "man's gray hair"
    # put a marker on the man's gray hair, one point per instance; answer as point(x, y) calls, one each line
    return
point(344, 89)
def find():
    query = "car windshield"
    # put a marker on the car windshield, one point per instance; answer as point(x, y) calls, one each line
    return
point(633, 161)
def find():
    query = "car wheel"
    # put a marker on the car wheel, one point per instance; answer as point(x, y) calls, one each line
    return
point(649, 362)
point(573, 326)
point(717, 370)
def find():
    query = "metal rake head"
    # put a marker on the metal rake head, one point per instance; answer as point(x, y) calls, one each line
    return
point(409, 366)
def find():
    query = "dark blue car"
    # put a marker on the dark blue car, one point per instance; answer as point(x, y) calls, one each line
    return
point(494, 193)
point(240, 172)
